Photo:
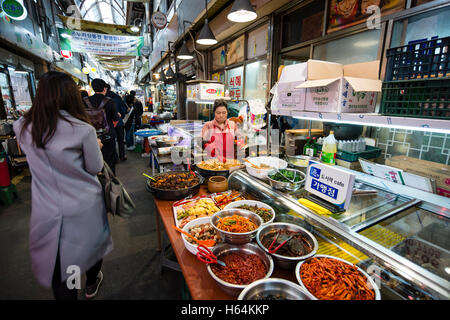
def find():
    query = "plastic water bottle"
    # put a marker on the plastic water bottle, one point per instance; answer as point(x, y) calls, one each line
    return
point(329, 149)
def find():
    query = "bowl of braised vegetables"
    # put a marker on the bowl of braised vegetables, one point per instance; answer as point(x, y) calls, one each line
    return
point(244, 264)
point(263, 210)
point(200, 229)
point(236, 226)
point(286, 179)
point(331, 278)
point(275, 289)
point(174, 185)
point(287, 243)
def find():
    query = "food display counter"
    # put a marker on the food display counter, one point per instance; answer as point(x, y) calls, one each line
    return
point(399, 240)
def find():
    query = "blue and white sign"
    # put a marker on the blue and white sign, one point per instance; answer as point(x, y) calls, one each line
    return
point(330, 183)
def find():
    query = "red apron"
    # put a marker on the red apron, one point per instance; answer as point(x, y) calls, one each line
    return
point(221, 144)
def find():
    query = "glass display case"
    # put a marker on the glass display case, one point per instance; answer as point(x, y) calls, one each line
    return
point(401, 241)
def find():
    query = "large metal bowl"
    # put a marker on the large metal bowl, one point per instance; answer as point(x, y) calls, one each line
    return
point(164, 194)
point(286, 186)
point(371, 282)
point(291, 159)
point(283, 261)
point(275, 286)
point(233, 237)
point(167, 141)
point(249, 248)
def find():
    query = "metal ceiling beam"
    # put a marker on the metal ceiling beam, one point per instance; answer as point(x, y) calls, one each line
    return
point(96, 4)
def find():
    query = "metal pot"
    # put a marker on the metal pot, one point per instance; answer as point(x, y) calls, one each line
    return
point(163, 194)
point(165, 142)
point(286, 186)
point(249, 248)
point(369, 279)
point(232, 237)
point(275, 286)
point(343, 131)
point(284, 261)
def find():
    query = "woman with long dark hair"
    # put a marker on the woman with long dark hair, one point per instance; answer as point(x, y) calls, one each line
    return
point(69, 230)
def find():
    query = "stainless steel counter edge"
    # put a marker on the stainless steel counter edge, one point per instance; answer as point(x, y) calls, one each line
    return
point(385, 257)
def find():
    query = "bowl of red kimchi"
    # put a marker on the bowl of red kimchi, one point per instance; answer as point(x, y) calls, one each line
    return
point(245, 264)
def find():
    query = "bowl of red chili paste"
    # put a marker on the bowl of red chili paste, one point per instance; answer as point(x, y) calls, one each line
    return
point(244, 265)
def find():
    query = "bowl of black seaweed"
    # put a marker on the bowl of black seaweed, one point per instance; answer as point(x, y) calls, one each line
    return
point(287, 243)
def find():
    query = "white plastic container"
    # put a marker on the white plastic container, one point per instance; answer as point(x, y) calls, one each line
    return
point(192, 248)
point(273, 162)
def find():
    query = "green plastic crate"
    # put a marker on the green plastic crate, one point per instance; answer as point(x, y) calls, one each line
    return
point(369, 153)
point(417, 98)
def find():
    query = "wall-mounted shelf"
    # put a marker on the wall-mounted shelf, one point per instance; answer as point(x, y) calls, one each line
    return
point(373, 119)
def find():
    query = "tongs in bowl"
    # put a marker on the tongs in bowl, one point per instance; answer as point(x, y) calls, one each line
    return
point(280, 245)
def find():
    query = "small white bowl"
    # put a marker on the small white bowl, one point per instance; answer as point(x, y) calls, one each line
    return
point(274, 162)
point(192, 248)
point(259, 204)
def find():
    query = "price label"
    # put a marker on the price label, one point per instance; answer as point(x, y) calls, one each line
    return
point(330, 183)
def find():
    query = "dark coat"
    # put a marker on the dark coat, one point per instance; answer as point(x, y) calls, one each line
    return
point(111, 111)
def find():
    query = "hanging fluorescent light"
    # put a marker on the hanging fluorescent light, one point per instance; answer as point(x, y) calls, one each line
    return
point(184, 53)
point(242, 11)
point(20, 68)
point(206, 37)
point(170, 73)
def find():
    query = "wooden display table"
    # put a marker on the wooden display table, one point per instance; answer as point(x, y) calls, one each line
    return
point(198, 280)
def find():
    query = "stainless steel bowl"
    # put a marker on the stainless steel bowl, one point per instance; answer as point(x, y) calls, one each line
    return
point(283, 261)
point(249, 248)
point(232, 237)
point(371, 282)
point(290, 160)
point(274, 286)
point(286, 186)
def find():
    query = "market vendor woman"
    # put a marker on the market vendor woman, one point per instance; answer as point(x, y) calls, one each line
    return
point(219, 134)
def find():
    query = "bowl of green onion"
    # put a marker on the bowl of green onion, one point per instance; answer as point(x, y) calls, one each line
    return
point(286, 179)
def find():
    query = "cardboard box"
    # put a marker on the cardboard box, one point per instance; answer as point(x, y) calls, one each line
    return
point(433, 170)
point(333, 87)
point(205, 91)
point(289, 97)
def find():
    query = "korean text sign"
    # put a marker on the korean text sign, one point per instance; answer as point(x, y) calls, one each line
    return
point(330, 183)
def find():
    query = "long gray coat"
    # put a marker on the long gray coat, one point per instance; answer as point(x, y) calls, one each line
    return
point(68, 210)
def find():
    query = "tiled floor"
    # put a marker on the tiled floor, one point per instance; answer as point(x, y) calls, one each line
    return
point(132, 270)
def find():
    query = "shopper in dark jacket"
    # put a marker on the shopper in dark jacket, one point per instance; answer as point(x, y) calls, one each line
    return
point(130, 124)
point(109, 141)
point(139, 110)
point(122, 109)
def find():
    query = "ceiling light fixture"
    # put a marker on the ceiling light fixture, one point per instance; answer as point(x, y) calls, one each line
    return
point(136, 25)
point(184, 53)
point(162, 76)
point(242, 11)
point(206, 36)
point(20, 68)
point(169, 72)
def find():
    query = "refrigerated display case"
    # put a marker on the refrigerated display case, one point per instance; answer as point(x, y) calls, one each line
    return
point(401, 241)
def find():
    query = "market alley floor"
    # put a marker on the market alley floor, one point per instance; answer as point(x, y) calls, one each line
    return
point(131, 271)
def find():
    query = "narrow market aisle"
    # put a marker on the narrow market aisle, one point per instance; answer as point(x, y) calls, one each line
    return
point(131, 271)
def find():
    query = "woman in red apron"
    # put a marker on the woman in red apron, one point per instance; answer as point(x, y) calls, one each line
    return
point(219, 134)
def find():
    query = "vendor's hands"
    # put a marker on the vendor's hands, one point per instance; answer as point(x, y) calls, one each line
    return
point(100, 144)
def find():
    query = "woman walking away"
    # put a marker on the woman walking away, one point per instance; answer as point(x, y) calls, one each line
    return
point(69, 230)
